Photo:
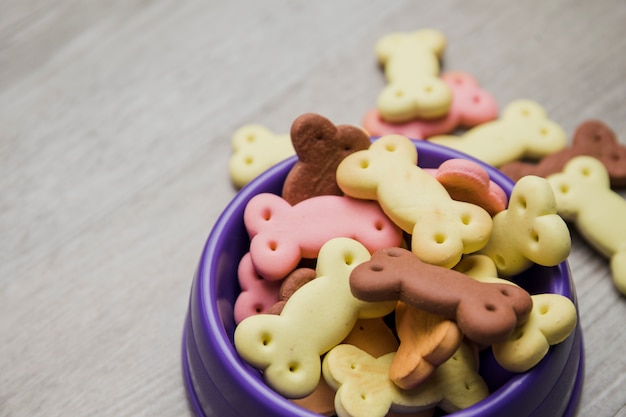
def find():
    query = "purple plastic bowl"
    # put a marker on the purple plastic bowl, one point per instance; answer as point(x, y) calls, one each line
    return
point(220, 384)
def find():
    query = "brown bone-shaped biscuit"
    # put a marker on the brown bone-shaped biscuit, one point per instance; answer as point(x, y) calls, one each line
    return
point(592, 138)
point(291, 284)
point(486, 313)
point(320, 147)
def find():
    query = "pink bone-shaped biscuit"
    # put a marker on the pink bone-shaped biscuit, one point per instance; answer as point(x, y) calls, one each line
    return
point(470, 106)
point(467, 181)
point(257, 295)
point(281, 234)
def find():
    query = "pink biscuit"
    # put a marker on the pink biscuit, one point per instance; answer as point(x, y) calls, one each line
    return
point(281, 234)
point(467, 181)
point(257, 294)
point(470, 106)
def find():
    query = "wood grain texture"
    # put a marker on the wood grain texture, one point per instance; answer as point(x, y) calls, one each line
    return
point(115, 124)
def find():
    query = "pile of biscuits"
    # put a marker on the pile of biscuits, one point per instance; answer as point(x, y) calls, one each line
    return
point(371, 283)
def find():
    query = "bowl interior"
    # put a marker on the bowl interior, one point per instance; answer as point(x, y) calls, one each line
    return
point(229, 241)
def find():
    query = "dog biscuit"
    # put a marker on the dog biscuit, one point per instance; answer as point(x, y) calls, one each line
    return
point(485, 313)
point(467, 181)
point(592, 138)
point(317, 317)
point(257, 295)
point(470, 106)
point(583, 196)
point(255, 149)
point(282, 234)
point(411, 65)
point(292, 282)
point(426, 341)
point(365, 390)
point(442, 229)
point(529, 230)
point(320, 146)
point(552, 319)
point(523, 131)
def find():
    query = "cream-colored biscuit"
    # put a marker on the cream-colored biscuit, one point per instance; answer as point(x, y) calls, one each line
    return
point(414, 89)
point(442, 229)
point(529, 230)
point(318, 316)
point(523, 131)
point(365, 390)
point(552, 319)
point(583, 196)
point(255, 149)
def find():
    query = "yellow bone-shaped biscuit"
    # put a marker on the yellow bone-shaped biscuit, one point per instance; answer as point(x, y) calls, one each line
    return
point(523, 131)
point(414, 89)
point(529, 230)
point(552, 319)
point(584, 196)
point(365, 390)
point(442, 229)
point(255, 149)
point(287, 347)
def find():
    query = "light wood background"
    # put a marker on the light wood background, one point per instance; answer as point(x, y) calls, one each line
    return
point(115, 126)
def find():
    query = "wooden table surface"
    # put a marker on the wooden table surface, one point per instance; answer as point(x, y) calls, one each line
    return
point(115, 126)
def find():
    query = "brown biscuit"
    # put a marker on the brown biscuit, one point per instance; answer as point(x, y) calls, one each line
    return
point(291, 284)
point(320, 147)
point(592, 138)
point(486, 313)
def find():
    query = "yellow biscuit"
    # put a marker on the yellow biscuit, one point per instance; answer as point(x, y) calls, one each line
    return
point(255, 149)
point(583, 196)
point(442, 229)
point(365, 390)
point(523, 131)
point(552, 319)
point(318, 316)
point(414, 89)
point(529, 230)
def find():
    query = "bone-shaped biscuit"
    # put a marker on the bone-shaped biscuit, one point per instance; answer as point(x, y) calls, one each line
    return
point(411, 64)
point(426, 341)
point(292, 282)
point(320, 146)
point(442, 229)
point(282, 234)
point(522, 131)
point(317, 317)
point(485, 313)
point(592, 138)
point(552, 319)
point(470, 106)
point(365, 390)
point(467, 181)
point(257, 295)
point(529, 231)
point(583, 196)
point(255, 149)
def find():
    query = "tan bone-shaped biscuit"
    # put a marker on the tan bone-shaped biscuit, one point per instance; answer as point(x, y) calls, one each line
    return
point(523, 131)
point(255, 149)
point(426, 341)
point(411, 63)
point(318, 316)
point(365, 390)
point(529, 230)
point(442, 229)
point(485, 313)
point(552, 319)
point(583, 196)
